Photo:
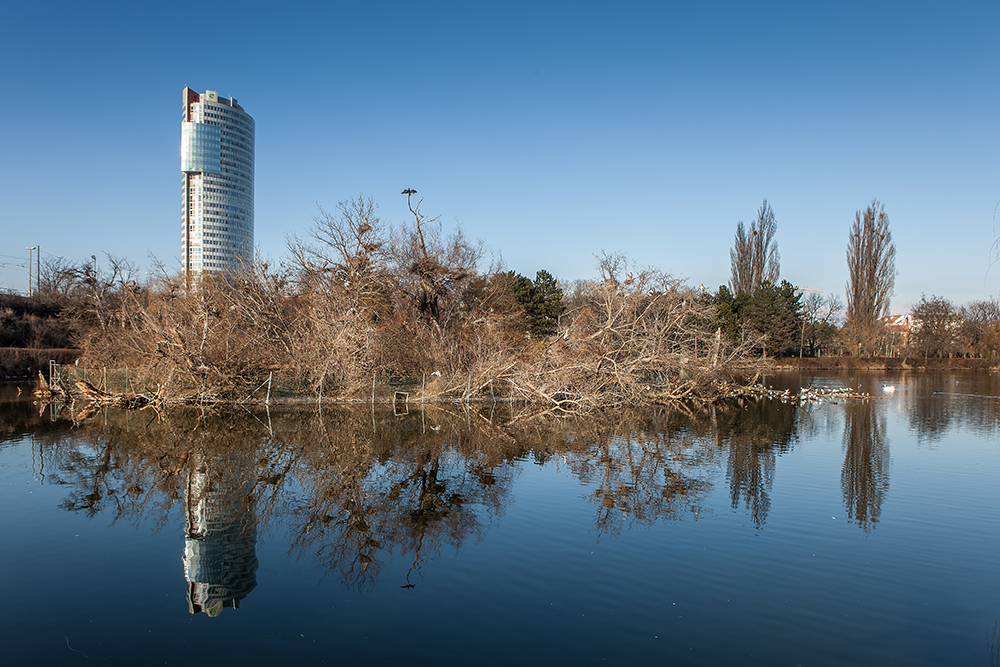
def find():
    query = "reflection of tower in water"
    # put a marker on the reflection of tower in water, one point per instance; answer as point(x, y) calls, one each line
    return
point(220, 534)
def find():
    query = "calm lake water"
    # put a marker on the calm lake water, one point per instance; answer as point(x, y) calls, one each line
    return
point(849, 532)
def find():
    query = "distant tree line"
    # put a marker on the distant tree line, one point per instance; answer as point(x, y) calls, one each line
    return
point(940, 329)
point(756, 302)
point(357, 297)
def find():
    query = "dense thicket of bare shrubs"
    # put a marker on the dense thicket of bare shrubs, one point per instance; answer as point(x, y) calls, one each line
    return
point(636, 335)
point(358, 298)
point(210, 342)
point(30, 323)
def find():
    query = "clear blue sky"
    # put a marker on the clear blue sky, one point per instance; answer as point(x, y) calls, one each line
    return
point(550, 131)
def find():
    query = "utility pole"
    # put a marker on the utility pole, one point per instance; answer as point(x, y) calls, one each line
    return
point(35, 248)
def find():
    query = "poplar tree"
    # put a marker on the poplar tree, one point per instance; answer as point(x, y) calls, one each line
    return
point(754, 255)
point(871, 270)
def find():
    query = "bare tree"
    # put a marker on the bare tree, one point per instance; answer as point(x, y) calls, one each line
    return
point(433, 268)
point(819, 321)
point(980, 329)
point(57, 278)
point(344, 291)
point(754, 256)
point(871, 266)
point(938, 326)
point(345, 255)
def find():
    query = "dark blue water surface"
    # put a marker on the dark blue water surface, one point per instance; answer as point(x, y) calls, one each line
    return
point(850, 532)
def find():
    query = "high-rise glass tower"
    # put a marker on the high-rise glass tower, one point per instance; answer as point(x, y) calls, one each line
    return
point(217, 138)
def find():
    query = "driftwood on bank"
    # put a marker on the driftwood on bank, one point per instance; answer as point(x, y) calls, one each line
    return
point(43, 390)
point(58, 390)
point(123, 400)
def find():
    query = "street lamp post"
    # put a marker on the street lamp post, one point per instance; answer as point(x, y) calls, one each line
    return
point(38, 268)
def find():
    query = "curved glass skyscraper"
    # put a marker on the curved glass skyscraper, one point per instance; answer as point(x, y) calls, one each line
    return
point(217, 156)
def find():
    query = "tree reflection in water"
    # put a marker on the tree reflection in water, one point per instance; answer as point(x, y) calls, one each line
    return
point(864, 477)
point(754, 434)
point(355, 493)
point(400, 488)
point(644, 467)
point(938, 402)
point(931, 414)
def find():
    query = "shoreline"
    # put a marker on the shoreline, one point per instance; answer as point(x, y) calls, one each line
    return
point(884, 364)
